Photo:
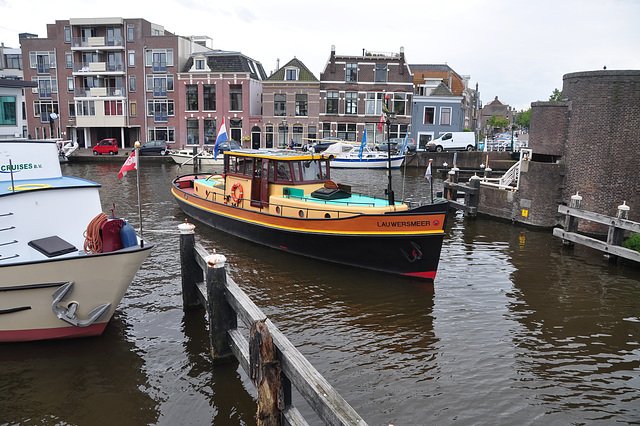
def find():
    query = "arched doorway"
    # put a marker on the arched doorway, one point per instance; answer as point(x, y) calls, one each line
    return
point(255, 137)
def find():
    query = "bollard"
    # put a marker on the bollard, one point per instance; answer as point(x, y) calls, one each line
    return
point(190, 270)
point(571, 222)
point(487, 173)
point(222, 317)
point(471, 198)
point(615, 236)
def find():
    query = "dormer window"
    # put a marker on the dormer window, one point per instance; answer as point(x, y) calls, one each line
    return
point(199, 64)
point(291, 74)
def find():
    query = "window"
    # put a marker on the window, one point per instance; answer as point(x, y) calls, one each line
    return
point(46, 86)
point(209, 97)
point(72, 109)
point(85, 108)
point(351, 103)
point(133, 109)
point(192, 132)
point(67, 34)
point(235, 97)
point(301, 105)
point(381, 73)
point(70, 84)
point(429, 115)
point(192, 97)
point(373, 103)
point(297, 135)
point(167, 134)
point(291, 74)
point(332, 102)
point(445, 116)
point(280, 105)
point(159, 84)
point(14, 61)
point(398, 130)
point(351, 72)
point(132, 83)
point(114, 36)
point(132, 58)
point(400, 103)
point(159, 59)
point(42, 61)
point(113, 107)
point(8, 111)
point(210, 131)
point(199, 64)
point(68, 59)
point(130, 32)
point(160, 109)
point(42, 109)
point(326, 130)
point(347, 131)
point(268, 136)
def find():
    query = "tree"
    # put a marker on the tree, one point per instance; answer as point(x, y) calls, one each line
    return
point(556, 95)
point(498, 122)
point(523, 119)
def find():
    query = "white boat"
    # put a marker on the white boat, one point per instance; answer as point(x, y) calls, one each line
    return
point(205, 158)
point(347, 155)
point(54, 281)
point(66, 149)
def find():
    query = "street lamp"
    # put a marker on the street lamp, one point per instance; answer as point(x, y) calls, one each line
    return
point(389, 114)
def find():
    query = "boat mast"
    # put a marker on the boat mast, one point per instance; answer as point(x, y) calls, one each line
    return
point(389, 115)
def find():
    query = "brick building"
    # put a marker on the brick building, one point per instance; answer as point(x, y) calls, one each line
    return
point(105, 77)
point(291, 105)
point(353, 89)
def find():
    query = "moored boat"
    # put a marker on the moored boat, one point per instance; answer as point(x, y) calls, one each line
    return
point(348, 156)
point(64, 265)
point(287, 200)
point(203, 157)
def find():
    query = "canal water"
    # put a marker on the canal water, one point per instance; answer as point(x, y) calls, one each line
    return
point(517, 329)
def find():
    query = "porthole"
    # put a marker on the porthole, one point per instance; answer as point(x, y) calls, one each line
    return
point(327, 216)
point(278, 209)
point(301, 213)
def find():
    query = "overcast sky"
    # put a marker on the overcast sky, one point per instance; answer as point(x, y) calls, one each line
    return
point(515, 50)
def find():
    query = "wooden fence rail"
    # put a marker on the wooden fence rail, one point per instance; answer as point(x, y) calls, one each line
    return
point(617, 227)
point(268, 357)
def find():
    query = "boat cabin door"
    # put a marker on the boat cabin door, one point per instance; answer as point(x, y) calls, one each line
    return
point(260, 183)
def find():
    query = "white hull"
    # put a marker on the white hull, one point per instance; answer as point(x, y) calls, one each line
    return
point(205, 159)
point(27, 293)
point(350, 156)
point(378, 163)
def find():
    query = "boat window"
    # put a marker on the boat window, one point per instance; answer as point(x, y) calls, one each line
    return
point(257, 170)
point(296, 170)
point(231, 163)
point(272, 171)
point(311, 170)
point(284, 171)
point(248, 167)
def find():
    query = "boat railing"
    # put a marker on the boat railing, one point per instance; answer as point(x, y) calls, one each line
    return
point(191, 158)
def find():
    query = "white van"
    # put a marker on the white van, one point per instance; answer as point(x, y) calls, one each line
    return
point(453, 141)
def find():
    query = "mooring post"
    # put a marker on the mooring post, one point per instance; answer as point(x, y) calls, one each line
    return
point(266, 375)
point(222, 317)
point(571, 222)
point(190, 270)
point(615, 235)
point(471, 198)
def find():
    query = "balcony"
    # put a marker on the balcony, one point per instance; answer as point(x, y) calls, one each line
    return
point(97, 43)
point(98, 68)
point(100, 92)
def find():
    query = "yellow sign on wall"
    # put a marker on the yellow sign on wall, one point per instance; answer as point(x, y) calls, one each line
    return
point(525, 213)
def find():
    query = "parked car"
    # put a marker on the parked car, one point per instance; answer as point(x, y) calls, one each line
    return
point(106, 146)
point(396, 145)
point(154, 148)
point(229, 145)
point(324, 144)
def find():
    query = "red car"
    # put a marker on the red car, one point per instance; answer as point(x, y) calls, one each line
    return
point(106, 146)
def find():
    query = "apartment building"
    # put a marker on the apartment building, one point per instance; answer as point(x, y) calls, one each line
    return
point(353, 90)
point(217, 85)
point(10, 63)
point(13, 108)
point(291, 106)
point(105, 78)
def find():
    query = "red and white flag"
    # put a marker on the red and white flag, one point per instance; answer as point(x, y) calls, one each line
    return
point(381, 123)
point(130, 164)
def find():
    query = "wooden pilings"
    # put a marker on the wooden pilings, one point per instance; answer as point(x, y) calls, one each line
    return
point(267, 356)
point(471, 193)
point(617, 227)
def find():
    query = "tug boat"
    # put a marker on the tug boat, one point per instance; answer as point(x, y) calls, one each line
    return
point(62, 277)
point(286, 200)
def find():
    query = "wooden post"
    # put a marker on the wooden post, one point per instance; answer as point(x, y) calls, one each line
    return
point(615, 235)
point(190, 270)
point(222, 317)
point(571, 222)
point(266, 375)
point(471, 198)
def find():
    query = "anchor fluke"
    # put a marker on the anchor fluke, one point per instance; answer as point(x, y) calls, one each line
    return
point(68, 314)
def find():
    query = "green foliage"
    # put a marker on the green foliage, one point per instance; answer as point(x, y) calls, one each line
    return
point(523, 119)
point(556, 95)
point(633, 242)
point(498, 121)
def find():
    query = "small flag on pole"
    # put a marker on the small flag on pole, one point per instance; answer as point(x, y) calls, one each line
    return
point(363, 144)
point(130, 164)
point(222, 136)
point(427, 174)
point(381, 123)
point(404, 143)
